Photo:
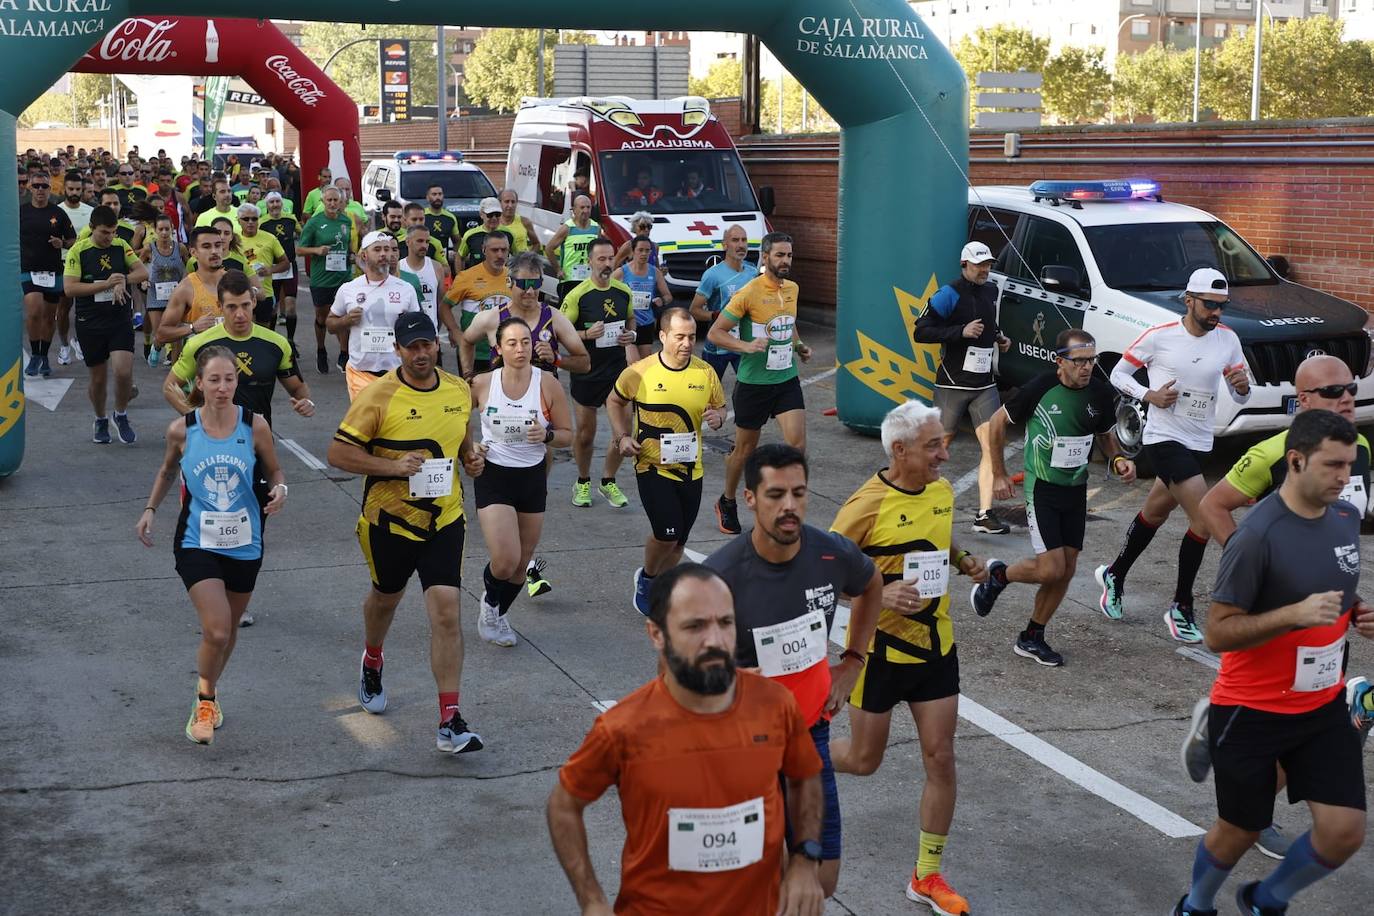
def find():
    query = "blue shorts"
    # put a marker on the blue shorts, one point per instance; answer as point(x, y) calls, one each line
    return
point(830, 820)
point(720, 362)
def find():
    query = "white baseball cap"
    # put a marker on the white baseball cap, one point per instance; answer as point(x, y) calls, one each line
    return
point(489, 205)
point(1208, 280)
point(374, 237)
point(975, 253)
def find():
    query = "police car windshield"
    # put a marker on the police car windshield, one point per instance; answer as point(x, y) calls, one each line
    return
point(457, 185)
point(1160, 256)
point(699, 181)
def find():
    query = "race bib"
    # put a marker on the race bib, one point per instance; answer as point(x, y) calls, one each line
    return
point(780, 356)
point(336, 261)
point(258, 267)
point(978, 359)
point(163, 291)
point(929, 570)
point(1071, 452)
point(1195, 405)
point(715, 839)
point(509, 429)
point(435, 478)
point(786, 648)
point(734, 332)
point(580, 272)
point(286, 274)
point(105, 295)
point(1318, 667)
point(610, 331)
point(641, 301)
point(225, 530)
point(378, 340)
point(43, 279)
point(677, 448)
point(1355, 494)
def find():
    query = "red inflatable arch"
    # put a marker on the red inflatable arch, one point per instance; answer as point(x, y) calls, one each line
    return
point(257, 51)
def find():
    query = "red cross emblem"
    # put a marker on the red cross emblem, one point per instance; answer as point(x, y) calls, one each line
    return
point(704, 229)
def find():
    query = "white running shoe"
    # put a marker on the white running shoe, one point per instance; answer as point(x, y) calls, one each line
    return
point(493, 626)
point(76, 350)
point(64, 355)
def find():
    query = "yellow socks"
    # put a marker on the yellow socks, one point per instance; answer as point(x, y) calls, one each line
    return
point(932, 849)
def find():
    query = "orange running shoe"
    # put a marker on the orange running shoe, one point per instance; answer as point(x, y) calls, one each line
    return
point(200, 728)
point(936, 894)
point(219, 714)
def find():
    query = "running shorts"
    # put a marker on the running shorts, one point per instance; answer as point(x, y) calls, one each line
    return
point(323, 296)
point(979, 403)
point(525, 490)
point(720, 362)
point(51, 294)
point(754, 404)
point(1174, 462)
point(646, 335)
point(883, 684)
point(288, 287)
point(196, 565)
point(100, 334)
point(393, 559)
point(670, 504)
point(1057, 515)
point(591, 389)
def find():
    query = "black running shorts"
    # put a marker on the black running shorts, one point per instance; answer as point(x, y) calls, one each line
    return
point(1057, 515)
point(525, 490)
point(883, 684)
point(196, 565)
point(393, 559)
point(670, 504)
point(754, 404)
point(591, 389)
point(1174, 462)
point(102, 334)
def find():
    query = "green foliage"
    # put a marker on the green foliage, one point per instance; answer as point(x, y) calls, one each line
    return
point(1157, 84)
point(1308, 71)
point(89, 91)
point(502, 66)
point(1001, 48)
point(1077, 86)
point(725, 80)
point(356, 70)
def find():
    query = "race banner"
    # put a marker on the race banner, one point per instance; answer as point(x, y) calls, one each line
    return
point(216, 89)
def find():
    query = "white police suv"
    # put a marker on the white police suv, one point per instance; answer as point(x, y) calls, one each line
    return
point(409, 174)
point(1113, 257)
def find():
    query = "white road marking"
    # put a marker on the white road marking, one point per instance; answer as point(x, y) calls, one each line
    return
point(1075, 771)
point(971, 477)
point(809, 380)
point(300, 452)
point(1201, 656)
point(46, 391)
point(603, 705)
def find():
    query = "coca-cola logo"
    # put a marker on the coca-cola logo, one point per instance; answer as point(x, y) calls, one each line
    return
point(138, 39)
point(306, 89)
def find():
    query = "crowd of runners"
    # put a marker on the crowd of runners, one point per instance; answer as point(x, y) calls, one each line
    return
point(724, 763)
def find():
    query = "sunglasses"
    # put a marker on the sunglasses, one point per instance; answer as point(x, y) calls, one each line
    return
point(248, 219)
point(1209, 304)
point(526, 283)
point(40, 187)
point(1332, 392)
point(126, 173)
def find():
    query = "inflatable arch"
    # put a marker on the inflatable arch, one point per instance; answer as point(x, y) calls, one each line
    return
point(898, 94)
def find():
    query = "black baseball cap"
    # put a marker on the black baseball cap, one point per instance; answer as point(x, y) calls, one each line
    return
point(413, 326)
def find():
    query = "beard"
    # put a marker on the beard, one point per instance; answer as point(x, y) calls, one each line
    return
point(711, 681)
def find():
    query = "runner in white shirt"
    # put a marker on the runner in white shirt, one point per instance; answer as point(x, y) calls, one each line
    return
point(367, 308)
point(1190, 364)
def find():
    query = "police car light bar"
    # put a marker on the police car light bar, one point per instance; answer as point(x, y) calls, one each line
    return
point(429, 155)
point(1107, 189)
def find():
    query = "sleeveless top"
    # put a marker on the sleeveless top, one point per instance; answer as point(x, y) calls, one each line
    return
point(219, 510)
point(516, 230)
point(164, 273)
point(645, 288)
point(204, 301)
point(542, 330)
point(576, 246)
point(504, 415)
point(428, 293)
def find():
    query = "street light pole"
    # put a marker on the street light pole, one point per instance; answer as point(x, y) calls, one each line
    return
point(441, 84)
point(1197, 62)
point(539, 64)
point(1255, 75)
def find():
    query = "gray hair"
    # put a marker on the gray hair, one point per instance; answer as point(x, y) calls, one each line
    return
point(904, 421)
point(528, 262)
point(774, 238)
point(504, 191)
point(249, 210)
point(641, 216)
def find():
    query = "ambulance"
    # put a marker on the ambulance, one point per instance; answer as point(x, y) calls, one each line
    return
point(671, 157)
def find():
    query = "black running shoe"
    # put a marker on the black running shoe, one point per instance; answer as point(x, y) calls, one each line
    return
point(343, 359)
point(987, 523)
point(456, 738)
point(1037, 649)
point(1245, 899)
point(322, 361)
point(1181, 910)
point(727, 516)
point(985, 593)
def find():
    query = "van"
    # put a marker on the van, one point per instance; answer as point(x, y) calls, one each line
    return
point(1113, 256)
point(408, 174)
point(692, 179)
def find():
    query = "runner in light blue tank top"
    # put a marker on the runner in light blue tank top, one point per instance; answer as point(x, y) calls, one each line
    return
point(221, 513)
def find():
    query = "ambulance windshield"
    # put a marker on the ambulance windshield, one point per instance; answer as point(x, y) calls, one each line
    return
point(675, 181)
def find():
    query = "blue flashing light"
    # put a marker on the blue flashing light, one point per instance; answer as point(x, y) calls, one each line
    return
point(429, 155)
point(1106, 189)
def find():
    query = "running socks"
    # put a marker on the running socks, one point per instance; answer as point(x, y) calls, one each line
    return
point(999, 574)
point(372, 657)
point(1190, 552)
point(498, 591)
point(607, 481)
point(1035, 630)
point(1138, 537)
point(448, 706)
point(1300, 868)
point(1209, 874)
point(39, 347)
point(208, 698)
point(291, 328)
point(932, 849)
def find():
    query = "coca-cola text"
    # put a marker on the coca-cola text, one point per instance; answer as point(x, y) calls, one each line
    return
point(306, 89)
point(138, 39)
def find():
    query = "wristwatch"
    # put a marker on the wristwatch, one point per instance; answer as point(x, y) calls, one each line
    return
point(548, 435)
point(808, 849)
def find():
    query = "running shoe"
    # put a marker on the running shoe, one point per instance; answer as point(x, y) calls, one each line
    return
point(64, 355)
point(76, 350)
point(1181, 910)
point(727, 516)
point(987, 523)
point(582, 494)
point(613, 495)
point(1273, 842)
point(1110, 602)
point(535, 583)
point(1359, 696)
point(935, 892)
point(1037, 649)
point(247, 620)
point(1196, 755)
point(641, 593)
point(1182, 627)
point(985, 593)
point(219, 714)
point(125, 429)
point(455, 737)
point(44, 369)
point(147, 349)
point(32, 367)
point(493, 626)
point(322, 361)
point(371, 693)
point(138, 321)
point(342, 360)
point(200, 728)
point(1245, 899)
point(101, 434)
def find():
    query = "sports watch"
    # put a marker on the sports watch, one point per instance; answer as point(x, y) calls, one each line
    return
point(808, 849)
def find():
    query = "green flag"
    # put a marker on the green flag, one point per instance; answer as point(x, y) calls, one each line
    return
point(216, 89)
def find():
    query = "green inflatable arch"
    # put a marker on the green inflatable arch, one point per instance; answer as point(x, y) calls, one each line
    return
point(897, 93)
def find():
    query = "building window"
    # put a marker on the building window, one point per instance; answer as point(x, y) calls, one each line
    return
point(1244, 4)
point(1240, 29)
point(1350, 6)
point(1142, 2)
point(1317, 6)
point(295, 38)
point(1218, 30)
point(1222, 4)
point(1140, 28)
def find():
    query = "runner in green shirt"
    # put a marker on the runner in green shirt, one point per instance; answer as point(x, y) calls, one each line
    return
point(328, 238)
point(314, 200)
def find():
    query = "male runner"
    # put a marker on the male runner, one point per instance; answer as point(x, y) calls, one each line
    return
point(570, 247)
point(194, 305)
point(670, 393)
point(903, 518)
point(471, 250)
point(413, 216)
point(45, 233)
point(443, 225)
point(1187, 362)
point(314, 199)
point(786, 578)
point(129, 192)
point(74, 205)
point(481, 288)
point(285, 284)
point(718, 286)
point(328, 238)
point(1064, 412)
point(550, 328)
point(1285, 598)
point(602, 311)
point(700, 757)
point(521, 230)
point(423, 272)
point(404, 433)
point(264, 256)
point(99, 274)
point(962, 319)
point(224, 206)
point(366, 309)
point(766, 382)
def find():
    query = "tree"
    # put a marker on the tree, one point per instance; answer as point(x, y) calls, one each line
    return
point(78, 108)
point(1001, 48)
point(725, 80)
point(502, 66)
point(1156, 84)
point(1077, 86)
point(356, 70)
point(1308, 71)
